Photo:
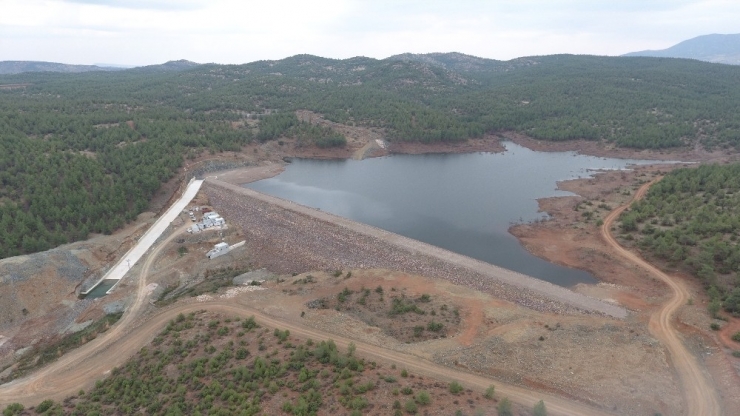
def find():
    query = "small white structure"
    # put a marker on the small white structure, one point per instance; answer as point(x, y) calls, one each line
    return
point(218, 250)
point(210, 215)
point(209, 220)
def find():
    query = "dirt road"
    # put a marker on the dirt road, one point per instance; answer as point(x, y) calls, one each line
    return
point(80, 368)
point(701, 397)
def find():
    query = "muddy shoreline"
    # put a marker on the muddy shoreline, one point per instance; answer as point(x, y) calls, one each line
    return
point(565, 238)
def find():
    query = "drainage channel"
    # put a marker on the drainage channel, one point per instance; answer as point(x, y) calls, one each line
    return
point(99, 290)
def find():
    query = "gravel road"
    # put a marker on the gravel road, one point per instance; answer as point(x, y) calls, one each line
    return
point(701, 397)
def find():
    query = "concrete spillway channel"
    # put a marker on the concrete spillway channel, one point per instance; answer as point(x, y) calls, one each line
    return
point(117, 272)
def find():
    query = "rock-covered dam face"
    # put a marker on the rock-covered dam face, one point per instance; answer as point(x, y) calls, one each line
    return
point(286, 237)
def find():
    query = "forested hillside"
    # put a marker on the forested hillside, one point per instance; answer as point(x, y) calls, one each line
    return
point(206, 364)
point(691, 219)
point(84, 153)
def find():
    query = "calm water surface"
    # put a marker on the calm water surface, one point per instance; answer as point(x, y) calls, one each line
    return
point(462, 202)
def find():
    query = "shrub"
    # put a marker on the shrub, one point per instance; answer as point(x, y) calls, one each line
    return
point(13, 409)
point(504, 407)
point(343, 295)
point(456, 388)
point(714, 307)
point(714, 326)
point(44, 406)
point(402, 306)
point(358, 403)
point(423, 398)
point(434, 326)
point(736, 337)
point(490, 392)
point(250, 323)
point(410, 407)
point(539, 409)
point(404, 373)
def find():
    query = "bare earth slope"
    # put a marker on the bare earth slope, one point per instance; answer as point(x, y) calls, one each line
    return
point(80, 368)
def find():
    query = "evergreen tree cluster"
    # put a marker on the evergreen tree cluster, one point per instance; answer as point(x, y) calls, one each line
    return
point(691, 219)
point(82, 153)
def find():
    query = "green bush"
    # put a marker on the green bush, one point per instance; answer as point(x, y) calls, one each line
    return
point(539, 409)
point(504, 407)
point(410, 407)
point(714, 307)
point(736, 337)
point(13, 409)
point(456, 388)
point(490, 392)
point(44, 406)
point(435, 326)
point(423, 398)
point(358, 403)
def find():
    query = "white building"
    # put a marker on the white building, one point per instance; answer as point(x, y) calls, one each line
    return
point(218, 250)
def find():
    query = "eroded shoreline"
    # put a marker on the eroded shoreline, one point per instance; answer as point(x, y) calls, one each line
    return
point(289, 238)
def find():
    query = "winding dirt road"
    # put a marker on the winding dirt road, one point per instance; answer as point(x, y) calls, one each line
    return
point(80, 368)
point(701, 398)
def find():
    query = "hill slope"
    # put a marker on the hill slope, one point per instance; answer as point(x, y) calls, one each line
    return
point(18, 67)
point(716, 48)
point(111, 138)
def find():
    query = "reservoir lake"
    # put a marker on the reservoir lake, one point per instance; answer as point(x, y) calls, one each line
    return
point(461, 202)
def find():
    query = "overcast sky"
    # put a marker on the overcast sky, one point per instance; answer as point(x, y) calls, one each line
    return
point(142, 32)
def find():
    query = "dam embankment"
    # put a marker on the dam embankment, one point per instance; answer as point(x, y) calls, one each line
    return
point(286, 237)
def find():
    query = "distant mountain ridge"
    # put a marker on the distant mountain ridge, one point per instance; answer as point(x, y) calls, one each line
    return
point(179, 65)
point(18, 67)
point(715, 48)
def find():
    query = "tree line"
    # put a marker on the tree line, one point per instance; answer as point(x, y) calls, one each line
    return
point(82, 153)
point(691, 219)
